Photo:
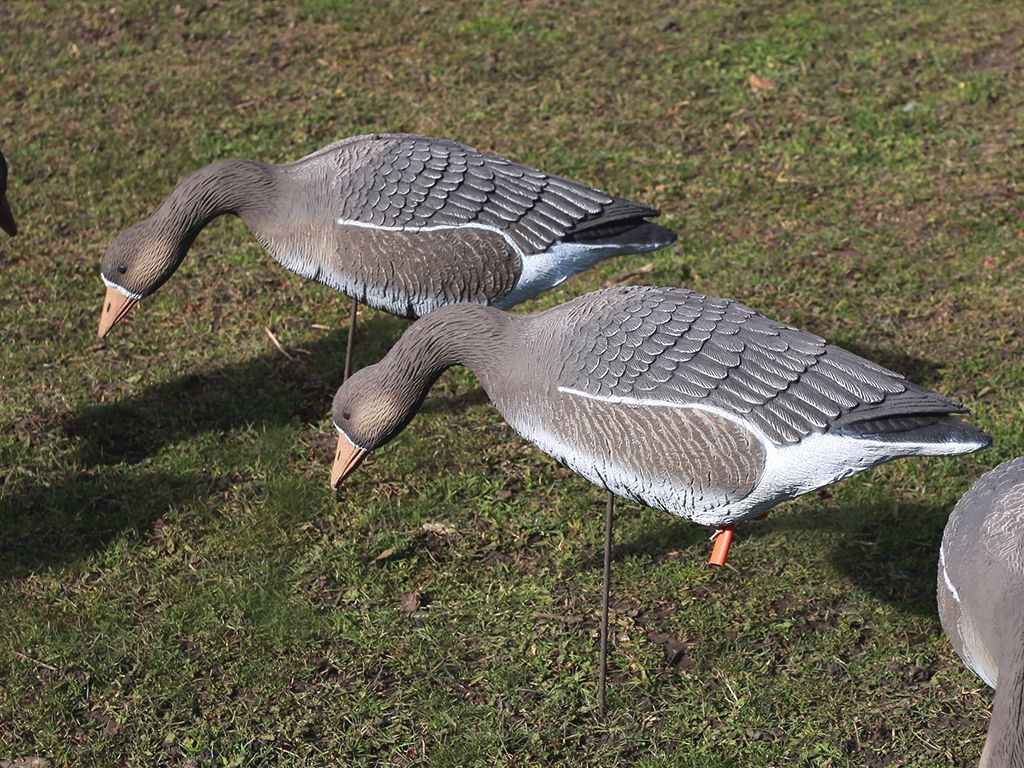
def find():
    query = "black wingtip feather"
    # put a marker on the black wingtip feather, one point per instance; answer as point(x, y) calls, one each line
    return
point(645, 235)
point(921, 429)
point(615, 212)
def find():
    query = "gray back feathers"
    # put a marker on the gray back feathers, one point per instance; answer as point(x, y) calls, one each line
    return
point(673, 345)
point(406, 181)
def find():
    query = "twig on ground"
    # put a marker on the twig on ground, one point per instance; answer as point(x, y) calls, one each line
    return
point(37, 662)
point(277, 343)
point(629, 275)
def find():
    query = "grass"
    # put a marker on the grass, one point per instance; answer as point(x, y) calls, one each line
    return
point(178, 587)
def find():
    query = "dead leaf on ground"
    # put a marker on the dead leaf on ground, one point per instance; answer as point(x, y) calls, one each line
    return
point(438, 529)
point(26, 762)
point(410, 602)
point(676, 650)
point(760, 84)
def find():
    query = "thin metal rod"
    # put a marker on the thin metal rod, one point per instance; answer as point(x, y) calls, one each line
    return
point(602, 670)
point(351, 335)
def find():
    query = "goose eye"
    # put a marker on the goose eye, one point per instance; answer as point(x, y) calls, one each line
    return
point(122, 269)
point(346, 415)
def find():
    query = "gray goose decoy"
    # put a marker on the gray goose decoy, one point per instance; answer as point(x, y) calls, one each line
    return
point(6, 217)
point(400, 222)
point(981, 600)
point(693, 405)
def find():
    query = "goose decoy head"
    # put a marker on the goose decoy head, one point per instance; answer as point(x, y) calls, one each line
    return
point(7, 222)
point(136, 263)
point(369, 411)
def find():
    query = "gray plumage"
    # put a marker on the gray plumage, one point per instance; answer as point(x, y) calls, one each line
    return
point(678, 346)
point(694, 405)
point(403, 223)
point(411, 181)
point(981, 599)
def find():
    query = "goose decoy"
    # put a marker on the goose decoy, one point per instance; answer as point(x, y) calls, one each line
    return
point(7, 222)
point(981, 600)
point(693, 405)
point(403, 223)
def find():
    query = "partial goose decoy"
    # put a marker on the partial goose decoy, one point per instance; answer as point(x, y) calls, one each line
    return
point(6, 217)
point(693, 405)
point(403, 223)
point(981, 600)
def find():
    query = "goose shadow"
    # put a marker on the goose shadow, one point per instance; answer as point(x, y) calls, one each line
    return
point(889, 551)
point(468, 399)
point(267, 390)
point(892, 552)
point(43, 524)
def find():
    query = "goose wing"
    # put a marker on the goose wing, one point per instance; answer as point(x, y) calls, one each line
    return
point(400, 181)
point(673, 346)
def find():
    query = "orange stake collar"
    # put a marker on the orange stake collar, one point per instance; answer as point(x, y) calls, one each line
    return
point(721, 548)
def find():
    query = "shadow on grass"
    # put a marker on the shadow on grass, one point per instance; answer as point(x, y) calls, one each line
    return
point(475, 396)
point(893, 552)
point(43, 525)
point(889, 551)
point(668, 536)
point(267, 390)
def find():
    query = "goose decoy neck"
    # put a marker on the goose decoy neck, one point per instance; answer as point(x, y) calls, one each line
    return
point(243, 187)
point(376, 403)
point(143, 256)
point(1004, 745)
point(473, 335)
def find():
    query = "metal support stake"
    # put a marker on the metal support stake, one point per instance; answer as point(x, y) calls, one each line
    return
point(603, 663)
point(351, 335)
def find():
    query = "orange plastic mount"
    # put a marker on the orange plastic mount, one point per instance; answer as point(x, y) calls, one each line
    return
point(721, 548)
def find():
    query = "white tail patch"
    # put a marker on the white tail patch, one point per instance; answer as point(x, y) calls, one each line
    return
point(543, 271)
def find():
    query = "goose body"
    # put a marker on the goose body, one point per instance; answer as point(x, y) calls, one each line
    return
point(7, 223)
point(403, 223)
point(981, 599)
point(694, 405)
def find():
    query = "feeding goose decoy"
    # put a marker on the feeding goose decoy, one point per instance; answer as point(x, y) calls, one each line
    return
point(693, 405)
point(403, 223)
point(7, 222)
point(981, 600)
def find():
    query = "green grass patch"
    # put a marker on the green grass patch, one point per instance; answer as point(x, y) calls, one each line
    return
point(179, 587)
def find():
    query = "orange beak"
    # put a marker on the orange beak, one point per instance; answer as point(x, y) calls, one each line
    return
point(115, 306)
point(7, 218)
point(346, 459)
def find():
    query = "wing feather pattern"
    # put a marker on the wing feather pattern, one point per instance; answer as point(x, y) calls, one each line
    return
point(405, 181)
point(670, 344)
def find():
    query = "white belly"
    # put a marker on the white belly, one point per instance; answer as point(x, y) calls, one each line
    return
point(789, 470)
